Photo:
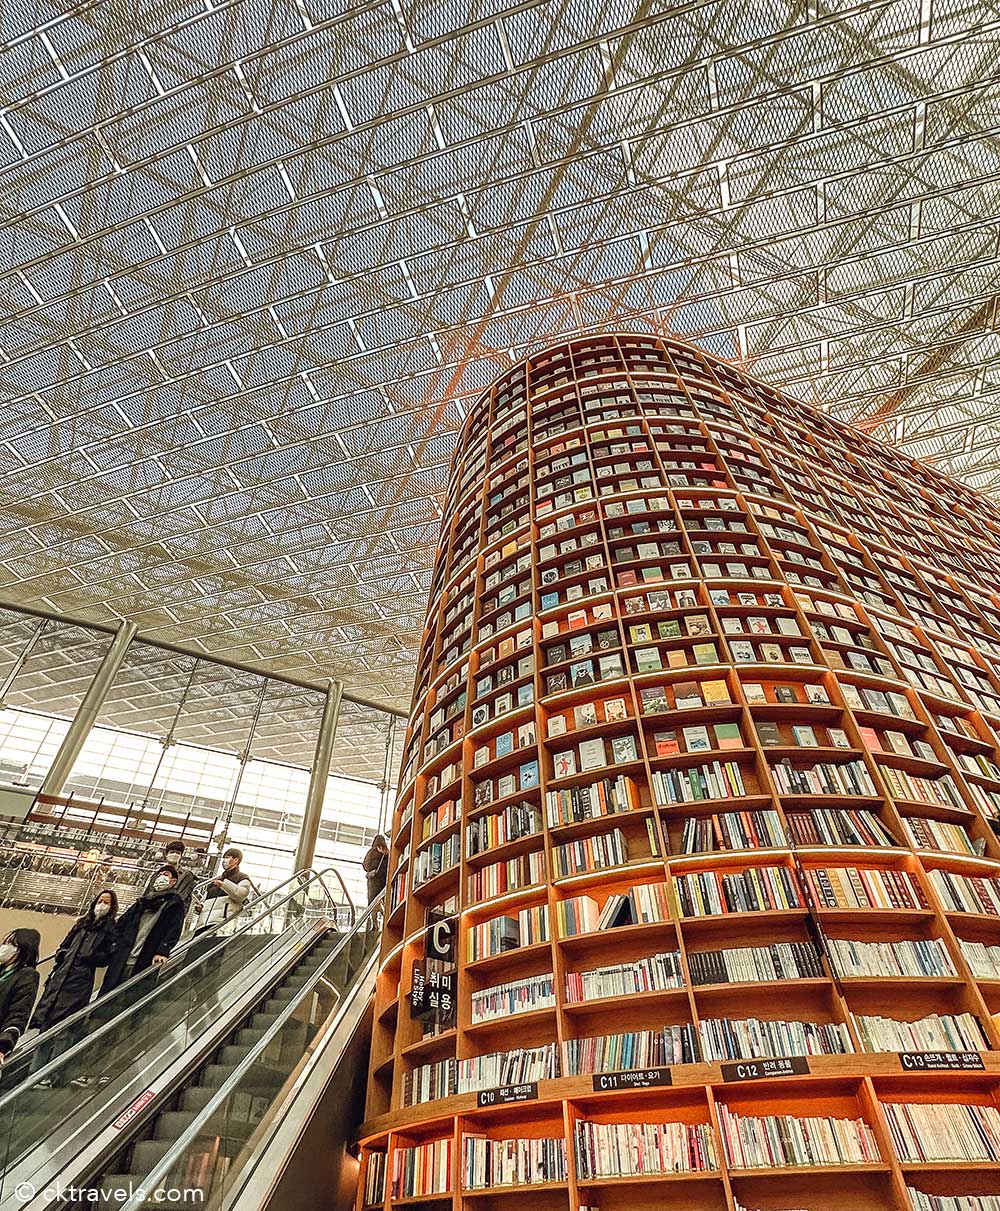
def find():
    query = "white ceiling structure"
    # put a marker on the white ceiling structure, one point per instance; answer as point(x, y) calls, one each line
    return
point(256, 256)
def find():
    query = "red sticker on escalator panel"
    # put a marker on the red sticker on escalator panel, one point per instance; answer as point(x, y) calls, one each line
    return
point(129, 1114)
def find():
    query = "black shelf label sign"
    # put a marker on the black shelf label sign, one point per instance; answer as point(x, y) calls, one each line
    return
point(941, 1061)
point(644, 1078)
point(507, 1094)
point(760, 1070)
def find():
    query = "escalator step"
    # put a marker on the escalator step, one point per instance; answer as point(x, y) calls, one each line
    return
point(197, 1097)
point(264, 1019)
point(231, 1055)
point(111, 1183)
point(172, 1123)
point(215, 1074)
point(250, 1035)
point(147, 1154)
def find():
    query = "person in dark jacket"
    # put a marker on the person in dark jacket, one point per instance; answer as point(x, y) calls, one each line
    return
point(376, 867)
point(89, 944)
point(18, 985)
point(173, 855)
point(148, 931)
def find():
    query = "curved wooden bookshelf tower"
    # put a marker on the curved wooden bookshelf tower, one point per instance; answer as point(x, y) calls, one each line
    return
point(695, 882)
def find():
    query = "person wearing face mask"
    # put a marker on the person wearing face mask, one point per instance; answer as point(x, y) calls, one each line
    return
point(226, 895)
point(18, 985)
point(89, 944)
point(148, 931)
point(173, 856)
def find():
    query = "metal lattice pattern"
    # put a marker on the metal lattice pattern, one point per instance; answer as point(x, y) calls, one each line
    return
point(255, 256)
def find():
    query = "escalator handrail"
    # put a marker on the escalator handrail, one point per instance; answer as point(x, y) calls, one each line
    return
point(173, 1154)
point(32, 1078)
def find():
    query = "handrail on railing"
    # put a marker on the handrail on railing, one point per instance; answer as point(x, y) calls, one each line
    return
point(52, 1065)
point(173, 1154)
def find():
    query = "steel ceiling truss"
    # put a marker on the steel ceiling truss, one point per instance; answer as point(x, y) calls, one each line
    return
point(256, 255)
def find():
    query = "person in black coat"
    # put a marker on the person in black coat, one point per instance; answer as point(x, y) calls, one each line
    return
point(376, 866)
point(18, 985)
point(89, 944)
point(148, 931)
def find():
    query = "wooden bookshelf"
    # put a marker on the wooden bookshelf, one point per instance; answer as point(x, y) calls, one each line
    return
point(702, 778)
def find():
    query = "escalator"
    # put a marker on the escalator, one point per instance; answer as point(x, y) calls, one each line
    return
point(178, 1079)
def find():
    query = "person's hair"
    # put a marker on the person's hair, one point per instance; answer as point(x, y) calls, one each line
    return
point(233, 853)
point(169, 869)
point(112, 911)
point(27, 942)
point(175, 847)
point(380, 840)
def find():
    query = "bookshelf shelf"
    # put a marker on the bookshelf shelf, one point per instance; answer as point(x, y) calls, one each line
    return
point(669, 590)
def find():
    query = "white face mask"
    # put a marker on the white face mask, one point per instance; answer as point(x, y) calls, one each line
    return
point(101, 910)
point(8, 951)
point(161, 883)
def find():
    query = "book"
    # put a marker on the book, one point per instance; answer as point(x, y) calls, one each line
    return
point(696, 739)
point(592, 754)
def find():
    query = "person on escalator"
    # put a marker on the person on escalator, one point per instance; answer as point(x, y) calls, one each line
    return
point(226, 895)
point(89, 944)
point(376, 867)
point(18, 985)
point(147, 932)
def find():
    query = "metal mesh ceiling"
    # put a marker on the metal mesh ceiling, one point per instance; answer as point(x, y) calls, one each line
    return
point(255, 254)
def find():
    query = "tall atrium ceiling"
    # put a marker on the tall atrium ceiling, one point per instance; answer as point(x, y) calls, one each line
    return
point(257, 254)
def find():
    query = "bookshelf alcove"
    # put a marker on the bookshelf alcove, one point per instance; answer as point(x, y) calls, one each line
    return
point(694, 893)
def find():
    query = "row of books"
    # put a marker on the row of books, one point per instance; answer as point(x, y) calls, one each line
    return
point(422, 1170)
point(682, 696)
point(747, 1038)
point(940, 835)
point(755, 964)
point(640, 905)
point(523, 871)
point(928, 1132)
point(637, 1149)
point(861, 887)
point(824, 778)
point(983, 959)
point(519, 1066)
point(436, 858)
point(936, 1032)
point(594, 853)
point(943, 1202)
point(902, 957)
point(756, 889)
point(608, 797)
point(486, 833)
point(631, 1050)
point(732, 830)
point(516, 996)
point(716, 780)
point(593, 755)
point(838, 826)
point(781, 1140)
point(504, 933)
point(511, 1162)
point(375, 1170)
point(962, 894)
point(940, 791)
point(697, 738)
point(651, 973)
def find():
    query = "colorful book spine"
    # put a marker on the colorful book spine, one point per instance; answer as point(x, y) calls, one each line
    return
point(518, 996)
point(487, 1163)
point(751, 1038)
point(783, 1140)
point(639, 1149)
point(926, 1132)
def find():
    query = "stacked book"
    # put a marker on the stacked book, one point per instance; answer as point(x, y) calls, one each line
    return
point(641, 905)
point(519, 996)
point(518, 1067)
point(756, 889)
point(512, 1162)
point(635, 1049)
point(590, 853)
point(639, 1149)
point(941, 791)
point(927, 1132)
point(732, 830)
point(422, 1170)
point(936, 1032)
point(753, 964)
point(838, 826)
point(609, 797)
point(716, 780)
point(824, 778)
point(652, 973)
point(781, 1140)
point(751, 1038)
point(861, 887)
point(962, 894)
point(903, 957)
